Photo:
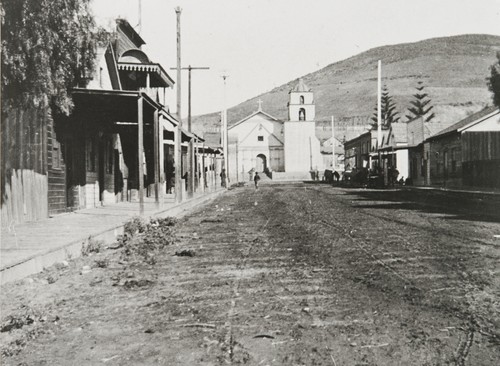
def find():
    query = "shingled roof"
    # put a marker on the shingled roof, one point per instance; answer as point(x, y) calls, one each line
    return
point(473, 117)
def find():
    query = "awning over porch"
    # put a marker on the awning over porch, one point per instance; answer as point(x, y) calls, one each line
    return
point(135, 117)
point(113, 105)
point(158, 76)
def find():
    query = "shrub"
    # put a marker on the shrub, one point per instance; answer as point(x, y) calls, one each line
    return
point(91, 246)
point(144, 240)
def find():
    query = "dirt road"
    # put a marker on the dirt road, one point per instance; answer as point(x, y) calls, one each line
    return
point(291, 274)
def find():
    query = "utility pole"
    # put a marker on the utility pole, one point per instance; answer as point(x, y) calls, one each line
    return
point(333, 143)
point(139, 25)
point(178, 140)
point(224, 134)
point(379, 106)
point(190, 159)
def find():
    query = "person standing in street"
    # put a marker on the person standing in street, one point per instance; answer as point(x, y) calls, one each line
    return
point(223, 178)
point(256, 179)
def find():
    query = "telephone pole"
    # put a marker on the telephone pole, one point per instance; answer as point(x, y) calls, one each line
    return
point(190, 156)
point(379, 105)
point(224, 134)
point(333, 143)
point(178, 140)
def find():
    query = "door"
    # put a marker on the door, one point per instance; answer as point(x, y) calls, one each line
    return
point(67, 148)
point(261, 163)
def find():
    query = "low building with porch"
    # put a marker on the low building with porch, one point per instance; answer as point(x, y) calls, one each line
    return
point(393, 153)
point(467, 153)
point(111, 142)
point(115, 145)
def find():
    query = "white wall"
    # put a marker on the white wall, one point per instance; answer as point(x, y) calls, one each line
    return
point(402, 163)
point(100, 78)
point(295, 97)
point(300, 143)
point(246, 136)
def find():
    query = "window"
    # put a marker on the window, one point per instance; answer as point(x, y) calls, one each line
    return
point(301, 99)
point(260, 138)
point(56, 154)
point(302, 114)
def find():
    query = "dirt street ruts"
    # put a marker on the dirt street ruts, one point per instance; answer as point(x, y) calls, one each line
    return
point(289, 274)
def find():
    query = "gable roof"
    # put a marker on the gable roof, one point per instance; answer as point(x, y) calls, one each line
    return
point(260, 125)
point(327, 146)
point(466, 121)
point(129, 31)
point(399, 132)
point(252, 115)
point(433, 127)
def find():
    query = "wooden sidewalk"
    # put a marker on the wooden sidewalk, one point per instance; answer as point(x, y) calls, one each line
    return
point(30, 247)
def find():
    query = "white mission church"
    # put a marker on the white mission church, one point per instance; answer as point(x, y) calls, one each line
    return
point(290, 149)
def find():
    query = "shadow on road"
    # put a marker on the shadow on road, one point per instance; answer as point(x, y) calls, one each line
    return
point(452, 205)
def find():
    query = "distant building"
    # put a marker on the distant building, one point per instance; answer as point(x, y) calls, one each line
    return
point(418, 131)
point(465, 154)
point(332, 151)
point(394, 151)
point(256, 142)
point(290, 149)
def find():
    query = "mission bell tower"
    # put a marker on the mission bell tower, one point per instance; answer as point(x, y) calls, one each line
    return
point(302, 147)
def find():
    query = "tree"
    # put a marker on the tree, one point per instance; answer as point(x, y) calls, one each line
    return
point(494, 81)
point(388, 110)
point(48, 47)
point(420, 105)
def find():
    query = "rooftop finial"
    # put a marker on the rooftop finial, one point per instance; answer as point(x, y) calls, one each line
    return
point(260, 104)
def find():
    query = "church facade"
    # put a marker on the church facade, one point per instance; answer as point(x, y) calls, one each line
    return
point(256, 142)
point(290, 149)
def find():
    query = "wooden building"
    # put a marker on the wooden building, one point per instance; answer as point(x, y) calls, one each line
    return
point(418, 131)
point(27, 157)
point(393, 152)
point(466, 154)
point(107, 150)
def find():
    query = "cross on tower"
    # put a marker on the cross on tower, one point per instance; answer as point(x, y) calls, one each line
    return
point(260, 104)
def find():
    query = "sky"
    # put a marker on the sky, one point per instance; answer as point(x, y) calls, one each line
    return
point(262, 44)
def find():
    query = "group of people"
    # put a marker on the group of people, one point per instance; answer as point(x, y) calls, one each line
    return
point(253, 176)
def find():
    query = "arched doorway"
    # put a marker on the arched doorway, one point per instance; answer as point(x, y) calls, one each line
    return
point(261, 163)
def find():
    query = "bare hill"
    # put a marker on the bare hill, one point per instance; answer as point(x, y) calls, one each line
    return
point(454, 70)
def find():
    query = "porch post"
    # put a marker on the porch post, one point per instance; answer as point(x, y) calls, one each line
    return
point(203, 175)
point(178, 162)
point(190, 154)
point(161, 161)
point(140, 152)
point(156, 147)
point(178, 137)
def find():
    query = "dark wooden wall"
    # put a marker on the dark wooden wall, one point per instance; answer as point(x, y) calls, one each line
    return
point(483, 145)
point(24, 183)
point(481, 159)
point(56, 172)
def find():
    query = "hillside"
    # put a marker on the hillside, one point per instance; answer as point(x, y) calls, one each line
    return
point(454, 70)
